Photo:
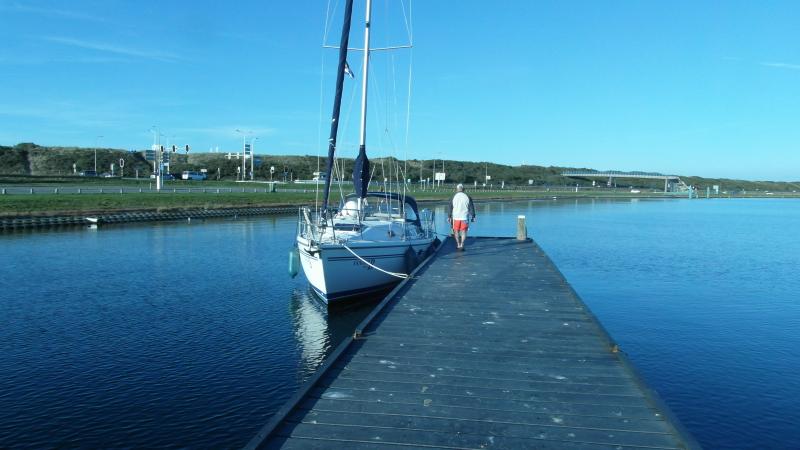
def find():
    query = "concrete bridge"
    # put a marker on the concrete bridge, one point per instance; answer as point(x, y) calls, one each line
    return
point(672, 183)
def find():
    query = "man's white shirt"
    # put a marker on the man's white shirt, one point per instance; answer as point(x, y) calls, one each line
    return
point(460, 206)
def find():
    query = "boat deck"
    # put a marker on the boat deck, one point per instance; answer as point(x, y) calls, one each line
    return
point(486, 348)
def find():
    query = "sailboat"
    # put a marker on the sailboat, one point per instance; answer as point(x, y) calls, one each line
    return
point(372, 240)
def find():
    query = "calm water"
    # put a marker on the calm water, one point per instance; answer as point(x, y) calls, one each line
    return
point(191, 335)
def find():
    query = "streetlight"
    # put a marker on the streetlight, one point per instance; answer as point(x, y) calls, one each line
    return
point(253, 157)
point(243, 169)
point(96, 143)
point(433, 175)
point(444, 174)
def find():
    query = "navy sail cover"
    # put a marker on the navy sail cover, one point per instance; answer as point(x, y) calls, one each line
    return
point(361, 173)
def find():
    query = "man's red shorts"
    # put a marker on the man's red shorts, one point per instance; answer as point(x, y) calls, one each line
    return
point(460, 225)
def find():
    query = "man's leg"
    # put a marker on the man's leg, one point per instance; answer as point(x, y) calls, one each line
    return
point(460, 234)
point(463, 234)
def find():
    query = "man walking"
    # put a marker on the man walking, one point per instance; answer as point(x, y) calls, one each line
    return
point(459, 211)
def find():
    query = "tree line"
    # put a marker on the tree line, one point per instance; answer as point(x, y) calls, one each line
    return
point(35, 160)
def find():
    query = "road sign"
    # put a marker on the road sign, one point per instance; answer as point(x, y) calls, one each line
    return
point(121, 163)
point(150, 155)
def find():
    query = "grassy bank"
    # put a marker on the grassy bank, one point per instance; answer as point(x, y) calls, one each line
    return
point(67, 204)
point(52, 204)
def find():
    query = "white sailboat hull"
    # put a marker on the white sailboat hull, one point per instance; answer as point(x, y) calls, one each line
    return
point(336, 274)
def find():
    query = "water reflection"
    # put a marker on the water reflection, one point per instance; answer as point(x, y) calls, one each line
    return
point(318, 331)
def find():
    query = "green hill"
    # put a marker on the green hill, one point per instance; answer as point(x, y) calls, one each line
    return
point(29, 159)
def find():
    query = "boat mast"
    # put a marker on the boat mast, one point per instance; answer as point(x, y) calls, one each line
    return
point(362, 143)
point(337, 102)
point(361, 172)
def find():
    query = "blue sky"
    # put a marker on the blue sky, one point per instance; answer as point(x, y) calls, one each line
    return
point(683, 87)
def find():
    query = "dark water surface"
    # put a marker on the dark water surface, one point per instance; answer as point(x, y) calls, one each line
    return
point(154, 336)
point(192, 335)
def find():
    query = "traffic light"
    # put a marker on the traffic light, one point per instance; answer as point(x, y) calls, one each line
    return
point(161, 147)
point(174, 148)
point(187, 148)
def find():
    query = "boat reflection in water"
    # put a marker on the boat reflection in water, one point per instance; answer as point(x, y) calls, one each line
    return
point(318, 331)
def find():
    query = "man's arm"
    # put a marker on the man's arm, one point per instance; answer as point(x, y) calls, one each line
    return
point(449, 209)
point(471, 208)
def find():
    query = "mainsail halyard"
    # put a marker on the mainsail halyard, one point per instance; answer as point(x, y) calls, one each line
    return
point(337, 103)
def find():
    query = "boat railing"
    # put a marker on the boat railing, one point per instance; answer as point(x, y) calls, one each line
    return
point(311, 226)
point(306, 225)
point(427, 220)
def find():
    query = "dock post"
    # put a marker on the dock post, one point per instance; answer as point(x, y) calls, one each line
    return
point(522, 230)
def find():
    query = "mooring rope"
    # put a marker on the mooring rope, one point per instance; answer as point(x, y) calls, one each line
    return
point(394, 274)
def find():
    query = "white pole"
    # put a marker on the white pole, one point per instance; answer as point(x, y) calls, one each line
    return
point(252, 157)
point(160, 162)
point(363, 136)
point(97, 142)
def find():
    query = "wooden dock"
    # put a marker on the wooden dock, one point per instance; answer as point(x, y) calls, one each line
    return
point(486, 348)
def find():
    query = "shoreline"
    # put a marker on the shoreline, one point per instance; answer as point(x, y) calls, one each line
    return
point(39, 211)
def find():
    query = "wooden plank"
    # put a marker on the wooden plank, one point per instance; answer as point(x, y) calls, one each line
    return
point(555, 368)
point(465, 381)
point(554, 430)
point(520, 407)
point(489, 347)
point(449, 439)
point(355, 388)
point(300, 443)
point(516, 351)
point(649, 423)
point(492, 373)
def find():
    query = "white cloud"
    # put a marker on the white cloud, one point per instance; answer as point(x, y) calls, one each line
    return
point(32, 61)
point(70, 114)
point(116, 49)
point(228, 131)
point(249, 37)
point(781, 65)
point(19, 8)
